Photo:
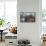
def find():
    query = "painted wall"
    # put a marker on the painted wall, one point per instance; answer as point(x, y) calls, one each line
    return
point(30, 31)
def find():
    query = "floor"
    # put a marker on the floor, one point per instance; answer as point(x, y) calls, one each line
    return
point(2, 43)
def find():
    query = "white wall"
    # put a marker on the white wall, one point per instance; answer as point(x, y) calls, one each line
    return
point(30, 31)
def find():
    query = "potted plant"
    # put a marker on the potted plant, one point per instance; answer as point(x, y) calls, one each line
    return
point(1, 22)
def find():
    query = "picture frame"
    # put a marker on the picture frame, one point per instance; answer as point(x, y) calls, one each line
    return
point(27, 17)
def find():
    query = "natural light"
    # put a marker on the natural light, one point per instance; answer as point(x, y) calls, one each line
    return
point(11, 11)
point(43, 16)
point(43, 4)
point(8, 11)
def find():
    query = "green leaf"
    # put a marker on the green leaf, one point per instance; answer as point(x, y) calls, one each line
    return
point(1, 21)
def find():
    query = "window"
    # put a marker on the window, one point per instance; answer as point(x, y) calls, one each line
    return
point(11, 11)
point(1, 9)
point(44, 16)
point(44, 10)
point(8, 10)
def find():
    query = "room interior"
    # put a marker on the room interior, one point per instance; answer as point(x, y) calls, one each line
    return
point(22, 22)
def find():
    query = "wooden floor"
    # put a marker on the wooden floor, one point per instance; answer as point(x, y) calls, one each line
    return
point(43, 44)
point(2, 43)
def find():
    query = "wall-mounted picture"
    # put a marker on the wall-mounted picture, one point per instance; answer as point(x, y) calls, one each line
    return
point(27, 16)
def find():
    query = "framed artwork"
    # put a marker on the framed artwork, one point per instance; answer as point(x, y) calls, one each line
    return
point(27, 16)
